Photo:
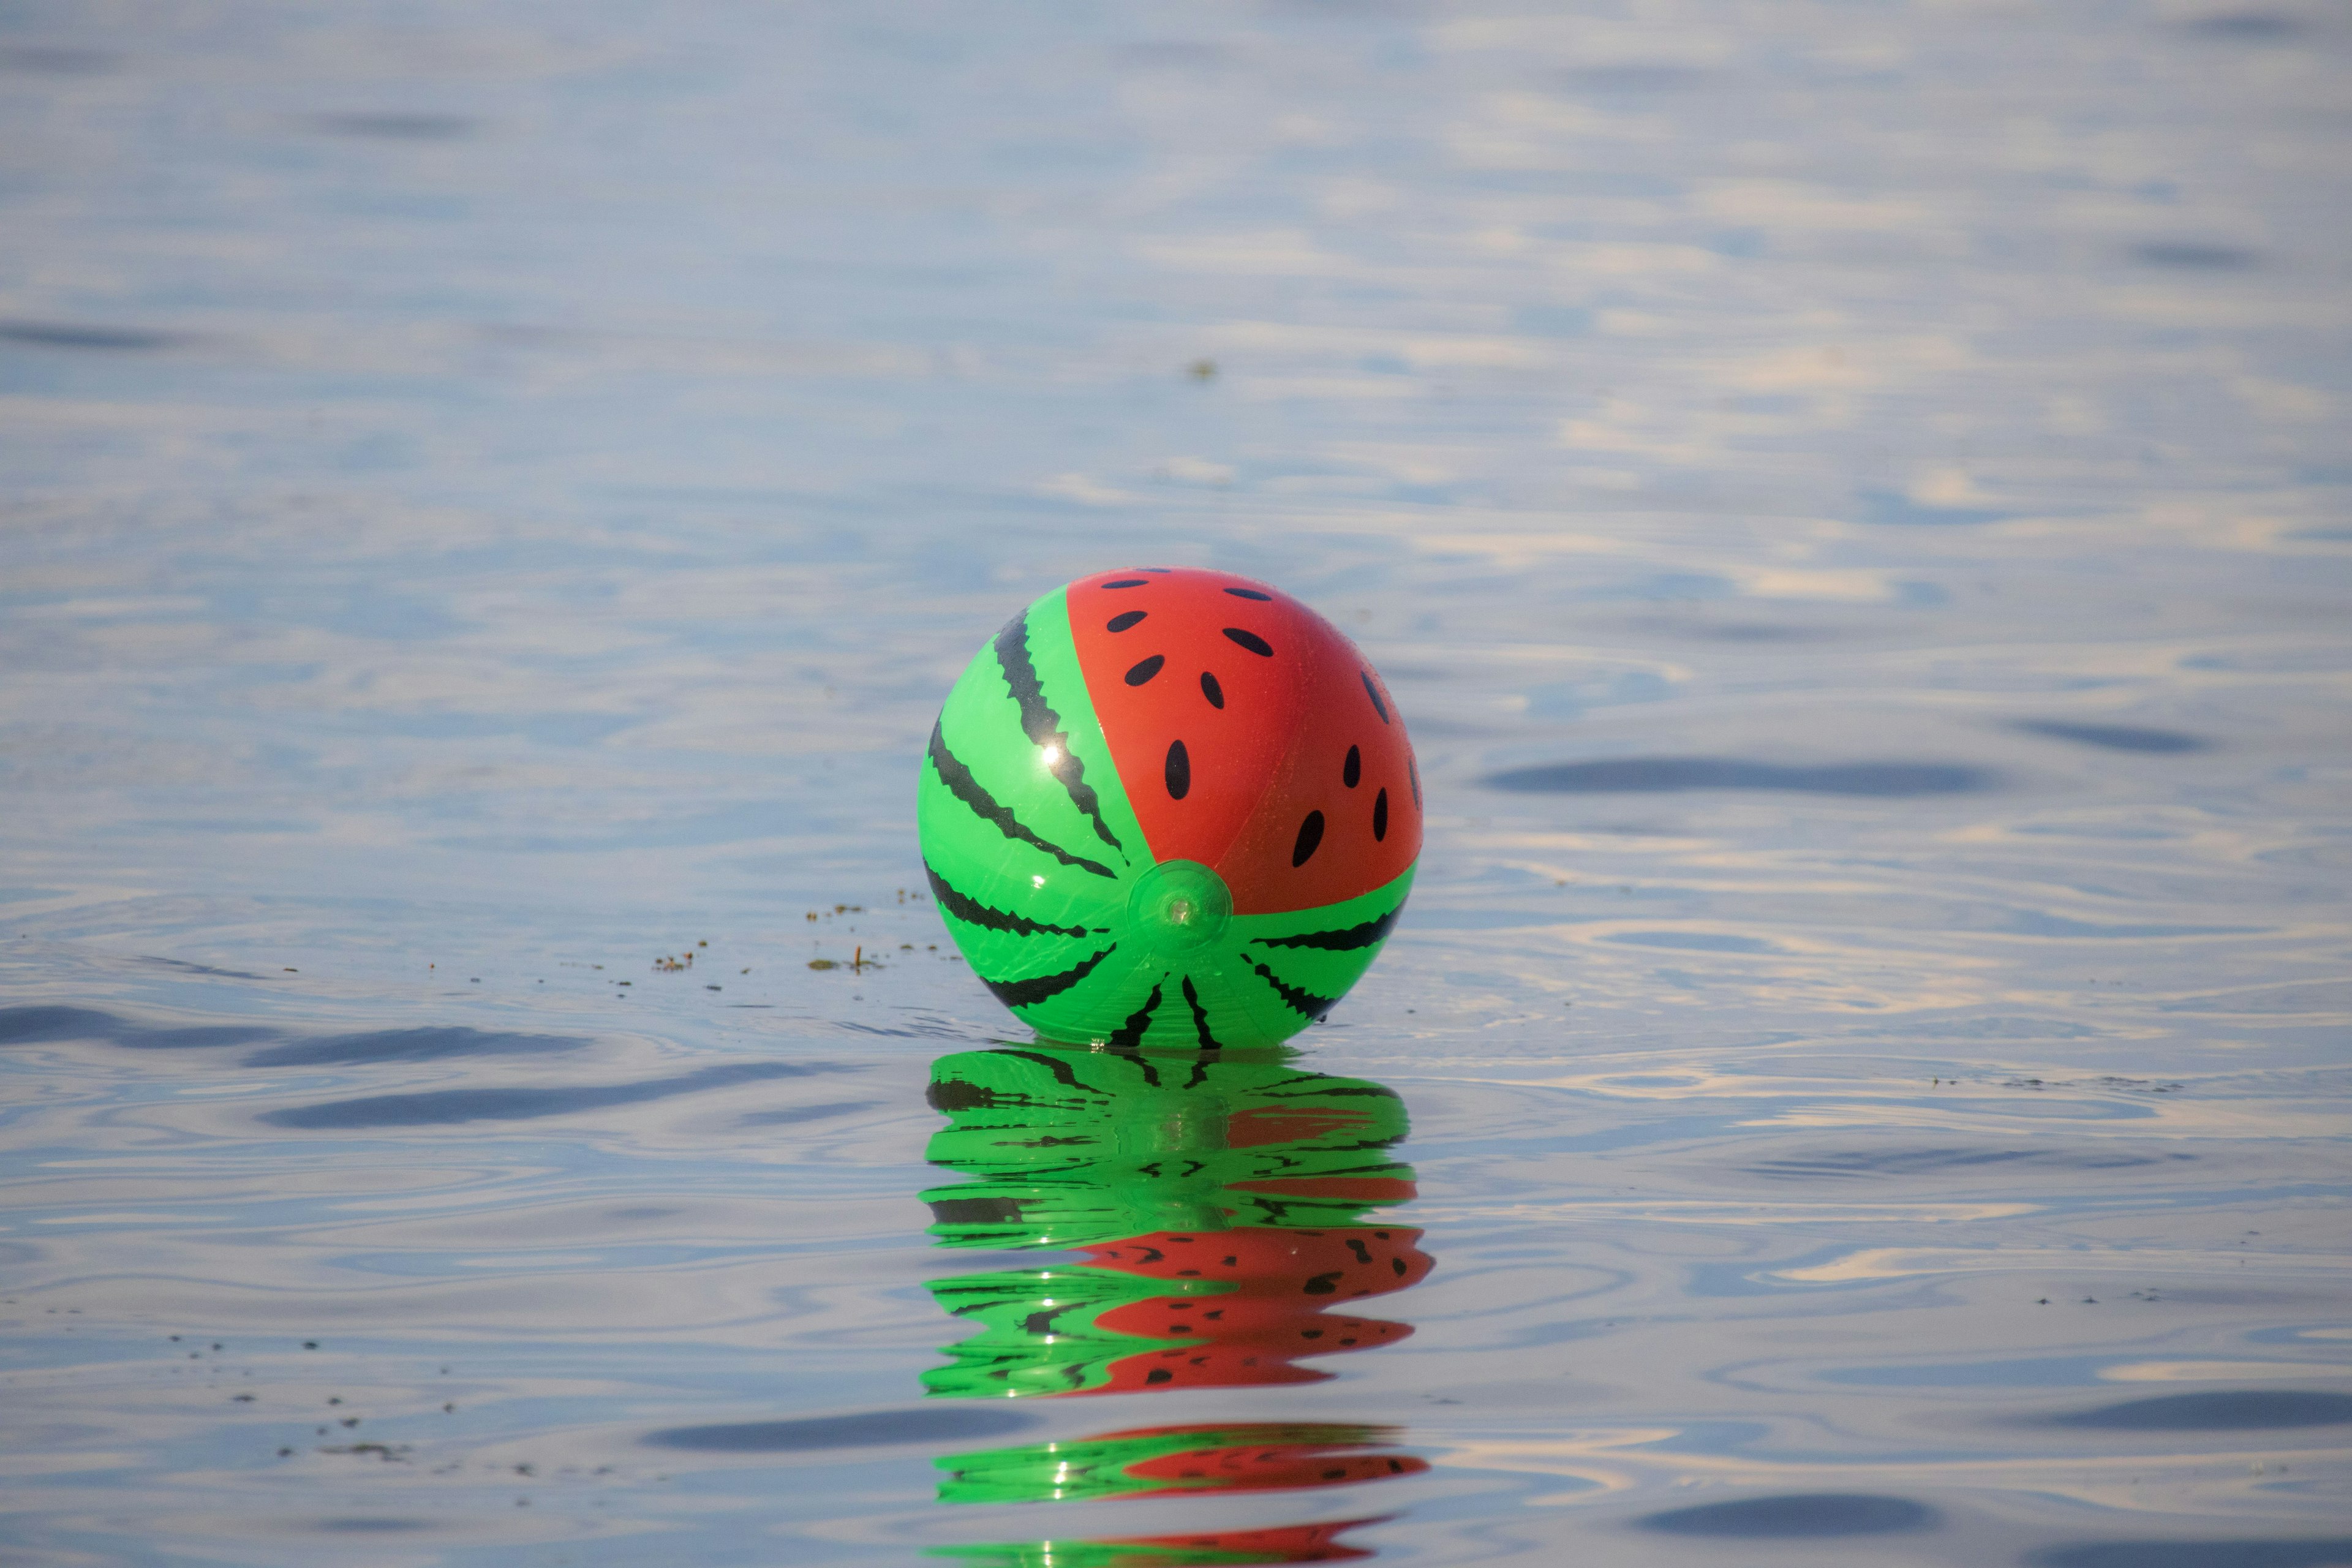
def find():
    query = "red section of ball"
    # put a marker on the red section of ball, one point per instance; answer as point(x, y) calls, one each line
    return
point(1285, 1543)
point(1250, 735)
point(1275, 1467)
point(1283, 1287)
point(1314, 1267)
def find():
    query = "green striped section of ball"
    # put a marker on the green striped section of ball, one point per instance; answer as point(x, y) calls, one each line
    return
point(1072, 1149)
point(1146, 1552)
point(1046, 882)
point(1085, 1469)
point(1038, 1330)
point(1248, 1455)
point(1069, 1149)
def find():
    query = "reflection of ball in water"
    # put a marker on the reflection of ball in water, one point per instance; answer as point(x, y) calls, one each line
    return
point(1170, 807)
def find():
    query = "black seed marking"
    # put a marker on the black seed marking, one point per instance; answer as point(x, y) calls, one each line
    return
point(1209, 1042)
point(1043, 726)
point(1297, 1001)
point(1022, 992)
point(968, 789)
point(1373, 692)
point(1323, 1284)
point(973, 911)
point(1310, 833)
point(1380, 817)
point(1146, 669)
point(1130, 1035)
point(1180, 771)
point(1347, 941)
point(1250, 641)
point(1251, 594)
point(1126, 583)
point(1124, 619)
point(1412, 772)
point(1211, 690)
point(1351, 773)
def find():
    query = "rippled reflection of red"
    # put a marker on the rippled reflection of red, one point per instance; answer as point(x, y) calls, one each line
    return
point(1286, 1286)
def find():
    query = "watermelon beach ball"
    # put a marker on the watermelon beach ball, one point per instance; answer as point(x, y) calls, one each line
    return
point(1170, 807)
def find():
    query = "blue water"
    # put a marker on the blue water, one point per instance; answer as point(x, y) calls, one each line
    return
point(1851, 500)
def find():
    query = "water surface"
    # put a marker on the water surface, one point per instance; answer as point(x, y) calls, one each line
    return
point(1851, 502)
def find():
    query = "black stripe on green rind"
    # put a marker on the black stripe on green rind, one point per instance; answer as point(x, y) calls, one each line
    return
point(1209, 1042)
point(1054, 1065)
point(1372, 933)
point(1130, 1035)
point(1024, 993)
point(1309, 958)
point(1301, 1001)
point(974, 912)
point(1043, 726)
point(964, 787)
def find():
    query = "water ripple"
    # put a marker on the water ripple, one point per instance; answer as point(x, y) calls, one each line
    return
point(445, 1107)
point(1639, 776)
